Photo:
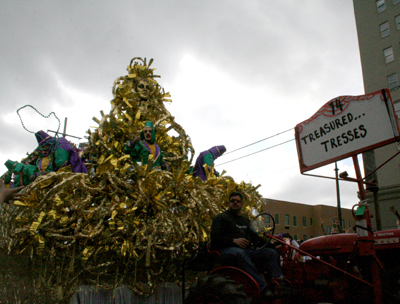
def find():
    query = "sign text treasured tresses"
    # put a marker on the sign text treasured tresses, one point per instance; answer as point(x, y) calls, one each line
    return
point(346, 126)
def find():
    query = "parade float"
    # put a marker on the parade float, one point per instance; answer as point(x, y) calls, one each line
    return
point(123, 223)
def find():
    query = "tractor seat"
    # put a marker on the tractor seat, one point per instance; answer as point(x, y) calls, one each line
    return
point(205, 259)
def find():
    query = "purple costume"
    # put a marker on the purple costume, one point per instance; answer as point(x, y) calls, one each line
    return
point(207, 157)
point(51, 144)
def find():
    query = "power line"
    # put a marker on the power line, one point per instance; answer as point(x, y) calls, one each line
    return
point(256, 152)
point(270, 173)
point(258, 141)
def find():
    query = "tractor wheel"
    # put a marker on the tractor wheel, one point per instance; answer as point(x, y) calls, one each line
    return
point(216, 289)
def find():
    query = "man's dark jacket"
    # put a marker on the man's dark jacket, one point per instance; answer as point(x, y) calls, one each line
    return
point(227, 226)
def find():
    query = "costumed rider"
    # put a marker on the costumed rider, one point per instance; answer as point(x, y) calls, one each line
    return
point(57, 153)
point(145, 148)
point(231, 236)
point(205, 160)
point(19, 174)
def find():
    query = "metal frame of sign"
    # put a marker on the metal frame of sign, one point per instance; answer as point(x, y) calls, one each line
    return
point(364, 249)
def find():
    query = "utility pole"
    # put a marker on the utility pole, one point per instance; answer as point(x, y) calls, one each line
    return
point(338, 195)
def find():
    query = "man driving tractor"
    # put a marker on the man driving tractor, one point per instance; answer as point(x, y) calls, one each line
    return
point(231, 236)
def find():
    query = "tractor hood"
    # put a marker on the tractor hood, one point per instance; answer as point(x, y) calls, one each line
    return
point(344, 242)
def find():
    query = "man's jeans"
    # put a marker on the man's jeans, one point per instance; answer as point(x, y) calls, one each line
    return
point(265, 258)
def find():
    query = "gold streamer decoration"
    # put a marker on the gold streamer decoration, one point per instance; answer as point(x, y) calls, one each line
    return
point(122, 223)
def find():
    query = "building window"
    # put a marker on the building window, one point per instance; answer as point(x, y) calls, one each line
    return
point(304, 221)
point(295, 237)
point(392, 80)
point(380, 5)
point(276, 218)
point(388, 53)
point(328, 230)
point(385, 31)
point(267, 219)
point(343, 224)
point(305, 237)
point(349, 224)
point(287, 220)
point(294, 220)
point(311, 223)
point(398, 22)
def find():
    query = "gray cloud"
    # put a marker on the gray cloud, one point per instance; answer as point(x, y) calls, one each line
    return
point(298, 54)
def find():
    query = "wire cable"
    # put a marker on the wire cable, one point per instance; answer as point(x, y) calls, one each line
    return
point(256, 152)
point(258, 141)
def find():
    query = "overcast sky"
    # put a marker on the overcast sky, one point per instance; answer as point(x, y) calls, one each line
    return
point(237, 71)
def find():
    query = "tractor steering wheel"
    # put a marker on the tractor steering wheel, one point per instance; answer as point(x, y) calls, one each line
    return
point(264, 226)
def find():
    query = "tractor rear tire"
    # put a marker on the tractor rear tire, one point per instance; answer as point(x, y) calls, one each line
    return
point(216, 289)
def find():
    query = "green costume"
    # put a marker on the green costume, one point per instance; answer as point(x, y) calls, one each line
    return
point(55, 153)
point(141, 150)
point(52, 154)
point(22, 173)
point(55, 160)
point(208, 159)
point(205, 160)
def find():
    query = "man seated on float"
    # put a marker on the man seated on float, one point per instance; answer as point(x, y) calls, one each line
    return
point(230, 234)
point(145, 148)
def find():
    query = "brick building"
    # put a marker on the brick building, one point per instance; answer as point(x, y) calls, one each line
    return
point(303, 221)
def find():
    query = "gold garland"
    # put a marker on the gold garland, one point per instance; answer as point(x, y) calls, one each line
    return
point(121, 223)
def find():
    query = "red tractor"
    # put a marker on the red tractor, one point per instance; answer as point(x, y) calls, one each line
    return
point(362, 267)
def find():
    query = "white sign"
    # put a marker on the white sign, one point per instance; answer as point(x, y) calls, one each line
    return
point(346, 126)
